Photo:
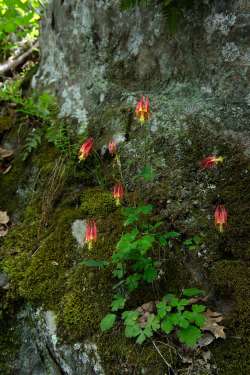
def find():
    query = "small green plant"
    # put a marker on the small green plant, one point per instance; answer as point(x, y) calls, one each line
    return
point(147, 173)
point(44, 108)
point(33, 141)
point(40, 106)
point(171, 315)
point(57, 133)
point(133, 259)
point(193, 243)
point(134, 265)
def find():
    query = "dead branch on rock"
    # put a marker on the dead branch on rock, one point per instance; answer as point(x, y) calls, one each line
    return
point(14, 62)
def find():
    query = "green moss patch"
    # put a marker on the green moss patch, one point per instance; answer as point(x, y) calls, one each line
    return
point(96, 202)
point(122, 356)
point(232, 281)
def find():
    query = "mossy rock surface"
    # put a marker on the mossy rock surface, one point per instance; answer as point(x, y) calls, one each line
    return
point(232, 282)
point(5, 123)
point(96, 202)
point(43, 261)
point(122, 356)
point(86, 301)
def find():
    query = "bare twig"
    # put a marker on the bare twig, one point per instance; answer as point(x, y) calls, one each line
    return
point(159, 352)
point(13, 63)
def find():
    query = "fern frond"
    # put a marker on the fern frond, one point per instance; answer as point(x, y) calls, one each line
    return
point(33, 140)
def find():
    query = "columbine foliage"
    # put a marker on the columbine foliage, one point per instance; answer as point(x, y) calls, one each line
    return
point(135, 265)
point(172, 314)
point(133, 258)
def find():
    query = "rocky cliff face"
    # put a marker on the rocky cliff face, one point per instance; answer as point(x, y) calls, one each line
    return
point(95, 56)
point(99, 61)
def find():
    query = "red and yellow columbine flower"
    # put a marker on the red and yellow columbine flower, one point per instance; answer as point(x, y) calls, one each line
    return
point(112, 148)
point(91, 233)
point(118, 193)
point(220, 217)
point(210, 161)
point(142, 111)
point(85, 149)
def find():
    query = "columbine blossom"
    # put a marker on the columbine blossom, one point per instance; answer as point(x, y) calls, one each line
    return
point(220, 217)
point(91, 233)
point(142, 110)
point(118, 193)
point(86, 149)
point(112, 148)
point(210, 161)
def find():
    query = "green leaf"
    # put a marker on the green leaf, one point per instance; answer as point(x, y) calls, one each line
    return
point(162, 309)
point(131, 219)
point(141, 338)
point(188, 242)
point(130, 317)
point(146, 209)
point(145, 243)
point(197, 240)
point(127, 238)
point(147, 173)
point(150, 274)
point(198, 308)
point(118, 302)
point(167, 326)
point(162, 241)
point(153, 322)
point(193, 292)
point(108, 322)
point(119, 271)
point(125, 246)
point(94, 263)
point(132, 281)
point(189, 336)
point(179, 304)
point(172, 234)
point(179, 319)
point(196, 315)
point(9, 27)
point(132, 330)
point(141, 264)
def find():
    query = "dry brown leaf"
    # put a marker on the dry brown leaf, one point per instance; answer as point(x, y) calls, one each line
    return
point(3, 230)
point(6, 170)
point(4, 218)
point(211, 324)
point(147, 307)
point(5, 153)
point(145, 310)
point(197, 299)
